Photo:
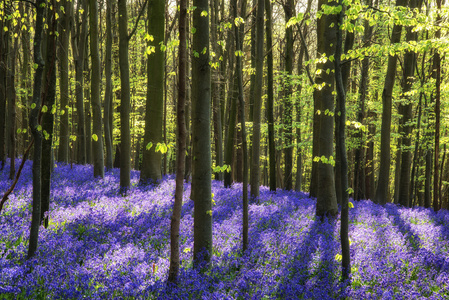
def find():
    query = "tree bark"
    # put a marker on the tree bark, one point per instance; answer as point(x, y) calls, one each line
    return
point(108, 97)
point(37, 134)
point(201, 167)
point(97, 136)
point(270, 97)
point(324, 99)
point(407, 115)
point(181, 143)
point(382, 191)
point(3, 72)
point(63, 57)
point(48, 116)
point(289, 10)
point(257, 107)
point(125, 102)
point(11, 90)
point(152, 160)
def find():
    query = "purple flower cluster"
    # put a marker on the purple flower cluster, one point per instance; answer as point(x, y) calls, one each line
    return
point(101, 245)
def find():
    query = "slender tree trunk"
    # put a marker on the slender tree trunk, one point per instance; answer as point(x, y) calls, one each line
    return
point(238, 31)
point(218, 130)
point(63, 57)
point(25, 78)
point(201, 167)
point(341, 107)
point(360, 161)
point(3, 72)
point(257, 107)
point(181, 146)
point(97, 136)
point(125, 102)
point(88, 111)
point(12, 106)
point(79, 40)
point(382, 190)
point(230, 138)
point(436, 74)
point(324, 99)
point(369, 173)
point(289, 10)
point(37, 134)
point(108, 97)
point(270, 98)
point(407, 115)
point(48, 116)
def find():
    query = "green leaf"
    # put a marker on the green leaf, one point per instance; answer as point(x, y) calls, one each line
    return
point(350, 205)
point(204, 13)
point(39, 128)
point(204, 50)
point(44, 108)
point(33, 105)
point(95, 137)
point(149, 145)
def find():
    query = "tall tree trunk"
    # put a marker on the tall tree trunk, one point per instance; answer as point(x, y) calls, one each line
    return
point(3, 72)
point(407, 114)
point(88, 110)
point(341, 108)
point(324, 99)
point(25, 78)
point(11, 90)
point(230, 138)
point(108, 97)
point(63, 57)
point(369, 173)
point(382, 190)
point(218, 130)
point(181, 146)
point(201, 167)
point(270, 98)
point(289, 10)
point(97, 136)
point(37, 134)
point(303, 52)
point(48, 116)
point(79, 40)
point(238, 31)
point(436, 74)
point(152, 160)
point(125, 103)
point(360, 161)
point(257, 108)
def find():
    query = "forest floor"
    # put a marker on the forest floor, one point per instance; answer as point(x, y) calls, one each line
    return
point(100, 245)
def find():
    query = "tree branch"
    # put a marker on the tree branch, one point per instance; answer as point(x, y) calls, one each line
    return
point(9, 191)
point(138, 19)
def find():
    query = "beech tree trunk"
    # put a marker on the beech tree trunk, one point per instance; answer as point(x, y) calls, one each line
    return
point(37, 134)
point(48, 116)
point(181, 146)
point(382, 191)
point(97, 136)
point(270, 97)
point(108, 97)
point(63, 57)
point(289, 11)
point(257, 107)
point(125, 102)
point(201, 166)
point(324, 101)
point(152, 160)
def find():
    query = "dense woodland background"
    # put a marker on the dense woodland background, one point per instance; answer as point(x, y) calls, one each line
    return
point(344, 99)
